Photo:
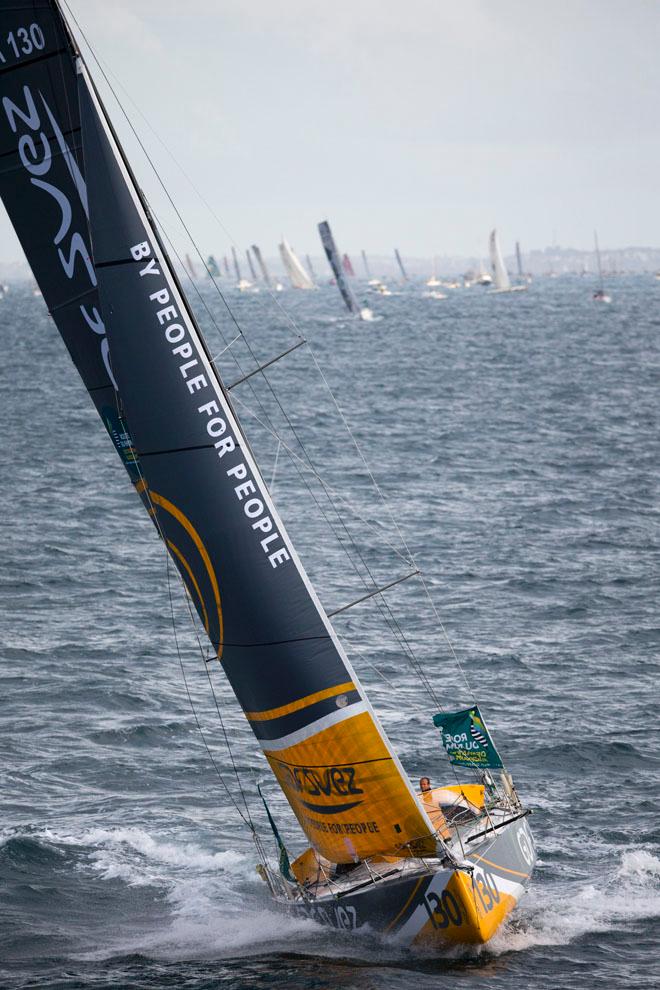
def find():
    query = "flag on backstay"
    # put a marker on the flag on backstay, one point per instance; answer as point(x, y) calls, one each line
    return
point(467, 740)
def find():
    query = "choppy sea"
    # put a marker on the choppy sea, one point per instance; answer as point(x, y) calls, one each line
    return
point(517, 442)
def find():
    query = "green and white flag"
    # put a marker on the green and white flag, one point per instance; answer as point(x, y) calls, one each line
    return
point(467, 740)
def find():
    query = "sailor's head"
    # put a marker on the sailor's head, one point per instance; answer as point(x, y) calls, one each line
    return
point(425, 783)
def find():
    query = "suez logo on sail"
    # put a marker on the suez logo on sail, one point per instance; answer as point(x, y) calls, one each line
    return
point(36, 156)
point(335, 781)
point(192, 372)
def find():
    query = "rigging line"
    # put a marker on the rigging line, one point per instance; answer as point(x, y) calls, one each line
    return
point(189, 234)
point(195, 626)
point(224, 300)
point(329, 488)
point(277, 457)
point(160, 181)
point(289, 319)
point(392, 516)
point(247, 821)
point(227, 346)
point(382, 603)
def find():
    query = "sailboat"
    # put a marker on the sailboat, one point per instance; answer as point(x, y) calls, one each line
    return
point(339, 272)
point(522, 276)
point(253, 273)
point(297, 275)
point(399, 262)
point(347, 265)
point(434, 867)
point(600, 295)
point(433, 282)
point(310, 267)
point(500, 274)
point(212, 267)
point(242, 284)
point(190, 268)
point(277, 286)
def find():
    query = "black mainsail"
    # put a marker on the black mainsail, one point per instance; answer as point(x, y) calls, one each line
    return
point(335, 262)
point(69, 191)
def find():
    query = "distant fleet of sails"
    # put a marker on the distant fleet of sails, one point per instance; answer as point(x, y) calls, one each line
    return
point(302, 276)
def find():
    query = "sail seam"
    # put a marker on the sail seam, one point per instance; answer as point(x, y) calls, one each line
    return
point(33, 61)
point(295, 706)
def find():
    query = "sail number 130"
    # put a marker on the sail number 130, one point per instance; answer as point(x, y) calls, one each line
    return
point(24, 41)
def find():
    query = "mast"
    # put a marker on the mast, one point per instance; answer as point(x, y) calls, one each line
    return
point(400, 263)
point(262, 264)
point(521, 274)
point(366, 264)
point(237, 269)
point(188, 457)
point(250, 265)
point(601, 284)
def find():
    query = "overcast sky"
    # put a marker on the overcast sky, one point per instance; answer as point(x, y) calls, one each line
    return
point(420, 123)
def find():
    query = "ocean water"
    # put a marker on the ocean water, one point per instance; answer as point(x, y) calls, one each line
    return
point(517, 441)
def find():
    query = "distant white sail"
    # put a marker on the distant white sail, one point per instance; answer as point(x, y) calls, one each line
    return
point(499, 269)
point(297, 274)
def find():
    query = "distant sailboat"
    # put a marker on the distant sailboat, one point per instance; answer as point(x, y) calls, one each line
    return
point(347, 265)
point(434, 281)
point(332, 254)
point(253, 273)
point(366, 265)
point(297, 275)
point(225, 264)
point(500, 274)
point(190, 268)
point(310, 267)
point(277, 286)
point(212, 267)
point(600, 295)
point(241, 283)
point(522, 276)
point(400, 264)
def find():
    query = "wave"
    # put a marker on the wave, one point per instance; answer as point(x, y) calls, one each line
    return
point(554, 915)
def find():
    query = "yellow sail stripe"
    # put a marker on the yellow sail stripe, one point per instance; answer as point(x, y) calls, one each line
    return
point(195, 537)
point(295, 706)
point(175, 550)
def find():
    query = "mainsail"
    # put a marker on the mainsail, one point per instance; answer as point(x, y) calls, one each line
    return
point(64, 168)
point(366, 264)
point(310, 267)
point(297, 274)
point(521, 273)
point(262, 264)
point(250, 264)
point(237, 268)
point(332, 254)
point(212, 266)
point(400, 263)
point(347, 265)
point(499, 269)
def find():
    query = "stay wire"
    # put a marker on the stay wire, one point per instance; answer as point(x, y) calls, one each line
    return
point(241, 332)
